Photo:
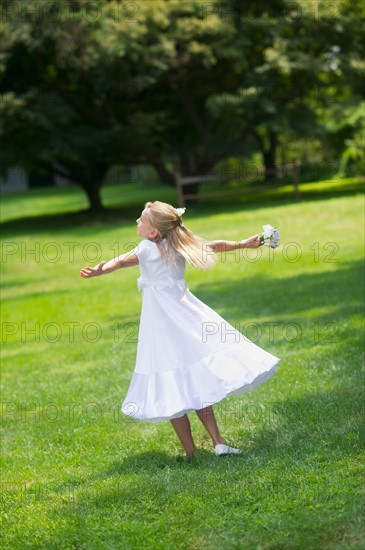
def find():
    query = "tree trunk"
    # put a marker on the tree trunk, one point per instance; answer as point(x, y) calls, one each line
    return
point(268, 153)
point(269, 156)
point(165, 175)
point(92, 190)
point(191, 189)
point(41, 178)
point(188, 169)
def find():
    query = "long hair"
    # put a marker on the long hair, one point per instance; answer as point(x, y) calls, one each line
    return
point(178, 237)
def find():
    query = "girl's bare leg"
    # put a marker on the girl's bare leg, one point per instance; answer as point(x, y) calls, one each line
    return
point(209, 422)
point(183, 431)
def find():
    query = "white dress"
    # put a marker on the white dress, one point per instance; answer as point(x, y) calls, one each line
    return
point(188, 356)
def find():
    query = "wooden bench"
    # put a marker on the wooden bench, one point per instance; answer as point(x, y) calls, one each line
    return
point(283, 171)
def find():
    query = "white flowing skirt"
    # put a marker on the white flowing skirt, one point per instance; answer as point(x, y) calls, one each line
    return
point(189, 357)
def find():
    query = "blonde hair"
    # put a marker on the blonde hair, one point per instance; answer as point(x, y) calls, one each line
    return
point(166, 220)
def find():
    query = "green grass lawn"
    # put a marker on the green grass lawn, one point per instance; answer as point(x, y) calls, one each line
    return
point(77, 474)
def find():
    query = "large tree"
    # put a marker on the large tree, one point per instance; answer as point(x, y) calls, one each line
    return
point(303, 66)
point(177, 85)
point(84, 93)
point(67, 96)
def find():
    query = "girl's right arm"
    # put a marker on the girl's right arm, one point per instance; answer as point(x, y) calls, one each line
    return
point(125, 260)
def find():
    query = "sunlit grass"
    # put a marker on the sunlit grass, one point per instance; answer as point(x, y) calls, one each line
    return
point(78, 474)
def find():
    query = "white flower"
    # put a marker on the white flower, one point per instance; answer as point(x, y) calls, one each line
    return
point(268, 231)
point(276, 236)
point(180, 211)
point(270, 236)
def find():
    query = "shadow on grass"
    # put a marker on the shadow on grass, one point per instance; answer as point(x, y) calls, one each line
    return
point(154, 461)
point(315, 429)
point(316, 424)
point(125, 215)
point(290, 470)
point(326, 426)
point(341, 290)
point(70, 220)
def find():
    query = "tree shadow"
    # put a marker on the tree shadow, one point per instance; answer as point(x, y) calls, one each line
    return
point(151, 462)
point(324, 425)
point(110, 217)
point(126, 214)
point(309, 430)
point(261, 296)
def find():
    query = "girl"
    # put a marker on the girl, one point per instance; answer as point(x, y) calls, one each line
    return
point(188, 357)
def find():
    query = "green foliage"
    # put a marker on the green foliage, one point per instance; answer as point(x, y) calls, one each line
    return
point(176, 85)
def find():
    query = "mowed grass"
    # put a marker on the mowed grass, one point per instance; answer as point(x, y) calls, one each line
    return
point(77, 474)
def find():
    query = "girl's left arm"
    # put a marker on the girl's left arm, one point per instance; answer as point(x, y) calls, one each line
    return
point(125, 260)
point(228, 246)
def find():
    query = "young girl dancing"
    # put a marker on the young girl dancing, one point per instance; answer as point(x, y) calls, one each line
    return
point(188, 357)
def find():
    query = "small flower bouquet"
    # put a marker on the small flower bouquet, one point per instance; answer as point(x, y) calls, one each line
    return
point(270, 236)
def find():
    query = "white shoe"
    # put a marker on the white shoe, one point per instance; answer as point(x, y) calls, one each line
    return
point(222, 449)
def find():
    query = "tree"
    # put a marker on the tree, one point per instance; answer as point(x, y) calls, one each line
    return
point(102, 92)
point(58, 88)
point(177, 85)
point(303, 65)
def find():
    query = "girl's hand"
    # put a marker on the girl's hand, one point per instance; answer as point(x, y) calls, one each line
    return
point(252, 242)
point(92, 271)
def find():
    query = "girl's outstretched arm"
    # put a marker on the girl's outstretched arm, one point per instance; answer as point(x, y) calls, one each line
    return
point(227, 246)
point(125, 260)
